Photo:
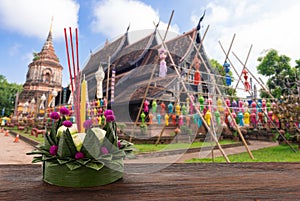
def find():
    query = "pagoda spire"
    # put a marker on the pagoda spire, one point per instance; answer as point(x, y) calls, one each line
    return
point(49, 38)
point(48, 49)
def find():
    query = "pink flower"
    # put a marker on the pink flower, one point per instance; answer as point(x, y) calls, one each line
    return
point(110, 118)
point(79, 155)
point(64, 111)
point(53, 150)
point(108, 112)
point(88, 124)
point(54, 115)
point(119, 144)
point(104, 150)
point(67, 123)
point(109, 115)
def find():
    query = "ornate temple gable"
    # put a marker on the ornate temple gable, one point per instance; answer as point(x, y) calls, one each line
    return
point(126, 59)
point(131, 55)
point(101, 56)
point(180, 48)
point(44, 73)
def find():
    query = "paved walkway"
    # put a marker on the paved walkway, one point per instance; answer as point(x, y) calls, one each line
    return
point(12, 152)
point(180, 158)
point(15, 153)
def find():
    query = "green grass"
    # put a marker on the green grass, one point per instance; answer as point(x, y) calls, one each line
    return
point(280, 153)
point(39, 139)
point(142, 148)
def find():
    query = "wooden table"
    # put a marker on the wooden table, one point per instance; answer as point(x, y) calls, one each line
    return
point(235, 181)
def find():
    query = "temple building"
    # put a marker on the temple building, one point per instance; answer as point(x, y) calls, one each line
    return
point(133, 66)
point(44, 78)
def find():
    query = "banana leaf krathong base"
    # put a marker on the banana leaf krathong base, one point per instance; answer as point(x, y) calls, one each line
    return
point(61, 175)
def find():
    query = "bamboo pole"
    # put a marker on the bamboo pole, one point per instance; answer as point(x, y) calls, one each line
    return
point(228, 59)
point(161, 133)
point(197, 49)
point(221, 97)
point(253, 75)
point(190, 97)
point(151, 77)
point(168, 25)
point(229, 49)
point(244, 65)
point(268, 116)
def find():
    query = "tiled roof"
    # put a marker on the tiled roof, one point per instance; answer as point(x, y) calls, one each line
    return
point(101, 56)
point(133, 53)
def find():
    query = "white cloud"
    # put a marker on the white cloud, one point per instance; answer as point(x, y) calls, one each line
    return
point(33, 17)
point(112, 17)
point(264, 24)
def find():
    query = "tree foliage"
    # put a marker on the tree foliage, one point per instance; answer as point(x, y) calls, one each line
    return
point(8, 93)
point(220, 69)
point(281, 76)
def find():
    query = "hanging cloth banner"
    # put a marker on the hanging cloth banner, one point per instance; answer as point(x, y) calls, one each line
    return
point(112, 92)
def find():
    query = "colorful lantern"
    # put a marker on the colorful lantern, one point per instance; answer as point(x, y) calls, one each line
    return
point(201, 101)
point(247, 118)
point(158, 116)
point(207, 117)
point(180, 121)
point(197, 76)
point(154, 106)
point(143, 116)
point(162, 108)
point(187, 104)
point(170, 108)
point(241, 118)
point(146, 106)
point(227, 70)
point(177, 109)
point(219, 105)
point(163, 65)
point(218, 117)
point(253, 119)
point(150, 118)
point(234, 106)
point(167, 119)
point(246, 83)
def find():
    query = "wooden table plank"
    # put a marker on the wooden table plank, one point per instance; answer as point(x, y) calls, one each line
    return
point(235, 181)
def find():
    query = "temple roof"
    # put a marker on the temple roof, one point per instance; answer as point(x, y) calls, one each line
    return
point(132, 54)
point(179, 47)
point(124, 59)
point(101, 56)
point(144, 53)
point(132, 85)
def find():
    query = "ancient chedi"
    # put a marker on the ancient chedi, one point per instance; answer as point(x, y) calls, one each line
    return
point(44, 77)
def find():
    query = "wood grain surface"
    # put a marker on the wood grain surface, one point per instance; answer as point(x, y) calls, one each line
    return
point(212, 181)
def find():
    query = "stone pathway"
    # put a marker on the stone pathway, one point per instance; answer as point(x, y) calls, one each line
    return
point(14, 152)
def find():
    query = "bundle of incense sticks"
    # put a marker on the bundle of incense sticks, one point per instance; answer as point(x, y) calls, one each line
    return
point(74, 75)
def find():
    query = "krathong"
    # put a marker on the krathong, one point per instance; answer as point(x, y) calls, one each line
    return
point(74, 159)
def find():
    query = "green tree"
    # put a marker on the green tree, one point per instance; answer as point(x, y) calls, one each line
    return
point(281, 76)
point(220, 69)
point(8, 93)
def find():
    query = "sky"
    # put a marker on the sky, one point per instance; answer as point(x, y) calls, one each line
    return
point(265, 24)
